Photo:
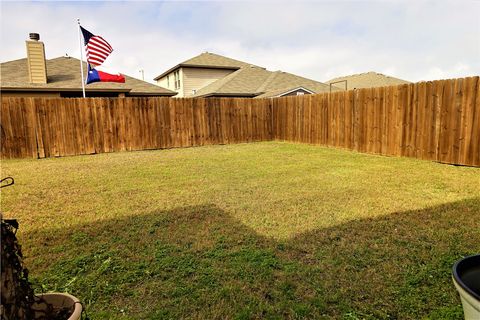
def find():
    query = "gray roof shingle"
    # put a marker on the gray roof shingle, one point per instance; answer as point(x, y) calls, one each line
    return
point(63, 74)
point(259, 82)
point(208, 60)
point(367, 80)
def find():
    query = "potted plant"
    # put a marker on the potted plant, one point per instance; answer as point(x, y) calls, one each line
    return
point(18, 301)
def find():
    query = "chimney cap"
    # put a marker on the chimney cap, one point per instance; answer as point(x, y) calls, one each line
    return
point(34, 36)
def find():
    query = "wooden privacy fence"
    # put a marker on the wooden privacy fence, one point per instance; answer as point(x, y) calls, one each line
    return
point(46, 127)
point(437, 120)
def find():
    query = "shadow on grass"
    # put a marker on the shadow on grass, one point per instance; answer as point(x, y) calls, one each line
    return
point(199, 262)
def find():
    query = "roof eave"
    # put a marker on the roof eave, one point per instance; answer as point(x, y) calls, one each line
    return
point(63, 89)
point(293, 90)
point(168, 94)
point(220, 94)
point(186, 65)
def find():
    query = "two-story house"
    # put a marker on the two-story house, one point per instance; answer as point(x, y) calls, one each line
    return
point(213, 75)
point(191, 75)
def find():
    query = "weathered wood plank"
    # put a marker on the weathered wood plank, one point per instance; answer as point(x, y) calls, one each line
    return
point(434, 120)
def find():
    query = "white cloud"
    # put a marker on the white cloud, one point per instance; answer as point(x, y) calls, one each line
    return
point(414, 40)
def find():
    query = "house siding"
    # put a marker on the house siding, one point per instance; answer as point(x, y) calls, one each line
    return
point(193, 79)
point(162, 82)
point(37, 68)
point(197, 78)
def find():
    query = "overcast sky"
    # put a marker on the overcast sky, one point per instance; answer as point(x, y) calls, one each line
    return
point(412, 40)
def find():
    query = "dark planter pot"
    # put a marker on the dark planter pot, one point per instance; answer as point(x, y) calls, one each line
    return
point(466, 278)
point(59, 301)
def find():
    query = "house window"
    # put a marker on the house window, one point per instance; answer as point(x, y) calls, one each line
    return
point(176, 78)
point(168, 81)
point(300, 93)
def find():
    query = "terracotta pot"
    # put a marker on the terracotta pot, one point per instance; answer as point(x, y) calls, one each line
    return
point(59, 301)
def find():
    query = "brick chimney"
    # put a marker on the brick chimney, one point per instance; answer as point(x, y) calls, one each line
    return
point(37, 65)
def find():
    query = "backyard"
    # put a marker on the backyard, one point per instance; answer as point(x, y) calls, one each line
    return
point(261, 230)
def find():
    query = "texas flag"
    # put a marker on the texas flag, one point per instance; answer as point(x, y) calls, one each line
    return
point(98, 49)
point(95, 75)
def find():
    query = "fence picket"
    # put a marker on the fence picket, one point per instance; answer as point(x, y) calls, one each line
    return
point(435, 120)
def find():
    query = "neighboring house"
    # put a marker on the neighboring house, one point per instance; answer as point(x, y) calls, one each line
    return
point(35, 76)
point(198, 72)
point(365, 80)
point(213, 75)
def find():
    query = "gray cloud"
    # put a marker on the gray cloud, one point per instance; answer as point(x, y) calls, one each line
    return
point(414, 40)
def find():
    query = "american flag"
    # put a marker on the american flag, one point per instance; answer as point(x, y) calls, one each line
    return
point(97, 48)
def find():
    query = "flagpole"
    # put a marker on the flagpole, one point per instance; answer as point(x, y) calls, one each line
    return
point(81, 57)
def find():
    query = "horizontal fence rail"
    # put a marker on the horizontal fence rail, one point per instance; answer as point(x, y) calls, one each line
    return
point(438, 120)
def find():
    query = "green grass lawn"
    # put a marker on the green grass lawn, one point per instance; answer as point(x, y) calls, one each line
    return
point(263, 230)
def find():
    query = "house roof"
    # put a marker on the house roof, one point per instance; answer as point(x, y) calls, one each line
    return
point(243, 82)
point(281, 92)
point(63, 75)
point(282, 82)
point(367, 80)
point(207, 60)
point(258, 82)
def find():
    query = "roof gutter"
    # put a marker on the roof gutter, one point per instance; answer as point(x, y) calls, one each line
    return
point(152, 94)
point(293, 90)
point(130, 93)
point(220, 95)
point(63, 89)
point(186, 65)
